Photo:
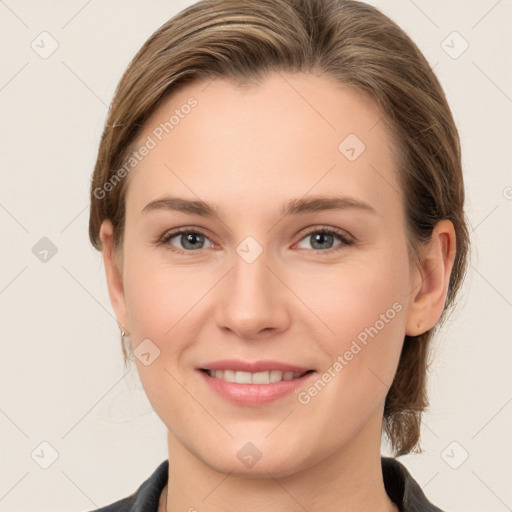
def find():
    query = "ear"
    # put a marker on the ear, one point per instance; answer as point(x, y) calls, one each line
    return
point(431, 279)
point(114, 275)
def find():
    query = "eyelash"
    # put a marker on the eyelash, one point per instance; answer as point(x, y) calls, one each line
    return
point(164, 240)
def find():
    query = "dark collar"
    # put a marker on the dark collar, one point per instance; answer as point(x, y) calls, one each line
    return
point(402, 489)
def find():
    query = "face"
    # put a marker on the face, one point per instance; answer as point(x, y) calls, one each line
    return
point(277, 274)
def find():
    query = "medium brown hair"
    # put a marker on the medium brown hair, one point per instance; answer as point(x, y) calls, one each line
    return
point(356, 45)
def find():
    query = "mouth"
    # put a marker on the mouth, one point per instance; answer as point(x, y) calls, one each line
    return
point(263, 377)
point(253, 383)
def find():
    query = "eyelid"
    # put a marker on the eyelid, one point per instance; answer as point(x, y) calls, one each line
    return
point(331, 230)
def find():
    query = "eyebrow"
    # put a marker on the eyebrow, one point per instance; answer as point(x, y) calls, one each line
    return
point(293, 207)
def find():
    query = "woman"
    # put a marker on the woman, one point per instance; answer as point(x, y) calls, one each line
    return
point(278, 198)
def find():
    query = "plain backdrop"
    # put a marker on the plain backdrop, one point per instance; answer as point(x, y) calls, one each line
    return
point(76, 433)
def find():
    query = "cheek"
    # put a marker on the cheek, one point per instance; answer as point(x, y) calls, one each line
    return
point(364, 308)
point(160, 304)
point(362, 311)
point(158, 296)
point(355, 295)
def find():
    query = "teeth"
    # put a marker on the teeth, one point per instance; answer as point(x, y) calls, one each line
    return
point(254, 378)
point(243, 377)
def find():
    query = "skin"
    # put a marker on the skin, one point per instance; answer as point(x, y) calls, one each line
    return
point(248, 151)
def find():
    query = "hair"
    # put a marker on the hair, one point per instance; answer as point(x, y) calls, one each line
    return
point(358, 46)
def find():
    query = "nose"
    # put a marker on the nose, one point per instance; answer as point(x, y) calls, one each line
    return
point(253, 301)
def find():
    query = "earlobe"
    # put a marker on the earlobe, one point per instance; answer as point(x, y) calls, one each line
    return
point(428, 298)
point(113, 275)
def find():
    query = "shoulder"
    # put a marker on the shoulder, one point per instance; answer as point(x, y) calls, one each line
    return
point(146, 497)
point(402, 489)
point(124, 505)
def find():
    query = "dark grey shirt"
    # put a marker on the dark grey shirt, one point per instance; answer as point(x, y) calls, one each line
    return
point(402, 489)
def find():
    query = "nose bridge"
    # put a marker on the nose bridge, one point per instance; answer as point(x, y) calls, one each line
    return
point(251, 275)
point(252, 300)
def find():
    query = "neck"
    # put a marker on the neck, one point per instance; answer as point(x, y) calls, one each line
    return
point(349, 480)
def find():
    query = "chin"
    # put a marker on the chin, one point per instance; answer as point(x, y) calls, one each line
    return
point(261, 470)
point(249, 462)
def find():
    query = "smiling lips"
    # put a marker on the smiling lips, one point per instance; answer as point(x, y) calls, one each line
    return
point(266, 377)
point(253, 383)
point(257, 372)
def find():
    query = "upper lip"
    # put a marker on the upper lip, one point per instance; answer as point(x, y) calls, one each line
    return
point(253, 367)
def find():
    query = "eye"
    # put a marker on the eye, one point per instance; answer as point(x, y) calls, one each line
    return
point(187, 240)
point(322, 239)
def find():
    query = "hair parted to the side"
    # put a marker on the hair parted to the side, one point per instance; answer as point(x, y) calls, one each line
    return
point(349, 41)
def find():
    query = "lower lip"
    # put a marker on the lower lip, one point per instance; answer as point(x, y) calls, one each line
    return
point(254, 394)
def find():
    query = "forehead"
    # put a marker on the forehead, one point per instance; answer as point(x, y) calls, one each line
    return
point(289, 134)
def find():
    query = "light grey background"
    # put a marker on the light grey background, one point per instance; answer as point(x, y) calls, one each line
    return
point(62, 381)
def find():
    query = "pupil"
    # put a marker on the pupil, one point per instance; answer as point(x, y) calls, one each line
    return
point(320, 238)
point(191, 239)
